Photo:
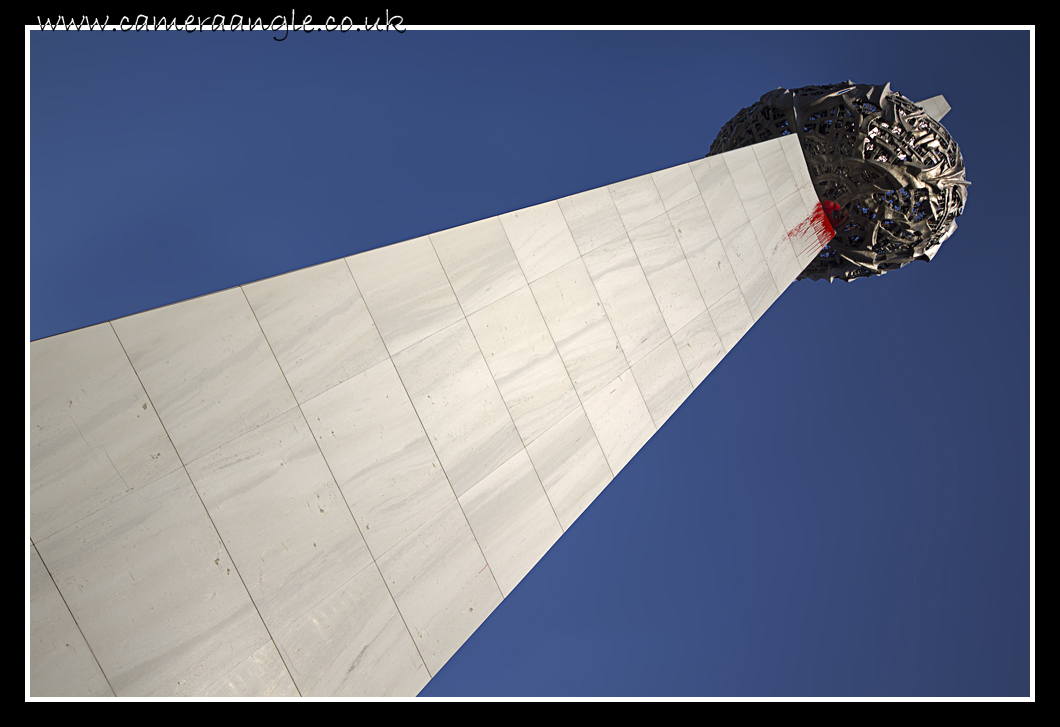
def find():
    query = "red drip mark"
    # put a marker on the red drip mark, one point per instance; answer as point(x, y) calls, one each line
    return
point(817, 227)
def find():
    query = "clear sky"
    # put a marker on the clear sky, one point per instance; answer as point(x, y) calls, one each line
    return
point(842, 508)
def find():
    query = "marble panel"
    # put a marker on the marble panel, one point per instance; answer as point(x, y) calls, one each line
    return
point(750, 182)
point(479, 261)
point(571, 465)
point(663, 382)
point(524, 362)
point(459, 404)
point(442, 585)
point(809, 198)
point(353, 643)
point(793, 211)
point(806, 227)
point(668, 273)
point(317, 325)
point(262, 674)
point(94, 436)
point(796, 161)
point(376, 448)
point(810, 238)
point(579, 325)
point(719, 193)
point(751, 270)
point(628, 299)
point(774, 163)
point(288, 530)
point(700, 348)
point(637, 201)
point(541, 239)
point(406, 291)
point(731, 318)
point(208, 369)
point(703, 250)
point(620, 419)
point(675, 185)
point(512, 519)
point(61, 664)
point(773, 237)
point(592, 218)
point(154, 592)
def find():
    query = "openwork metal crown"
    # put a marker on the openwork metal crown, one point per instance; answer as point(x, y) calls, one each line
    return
point(889, 177)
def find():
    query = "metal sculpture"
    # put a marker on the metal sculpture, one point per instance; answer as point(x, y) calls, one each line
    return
point(889, 177)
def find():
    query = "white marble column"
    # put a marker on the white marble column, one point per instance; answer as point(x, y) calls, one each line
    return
point(322, 483)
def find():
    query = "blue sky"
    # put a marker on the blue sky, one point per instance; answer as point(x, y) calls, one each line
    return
point(843, 507)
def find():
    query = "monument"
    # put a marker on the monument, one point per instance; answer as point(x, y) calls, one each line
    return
point(322, 483)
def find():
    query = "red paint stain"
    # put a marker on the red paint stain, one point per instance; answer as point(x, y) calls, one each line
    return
point(817, 227)
point(834, 212)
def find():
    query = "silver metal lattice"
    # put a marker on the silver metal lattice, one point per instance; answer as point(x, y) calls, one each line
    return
point(889, 177)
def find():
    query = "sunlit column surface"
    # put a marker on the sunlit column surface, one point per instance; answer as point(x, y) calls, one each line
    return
point(322, 483)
